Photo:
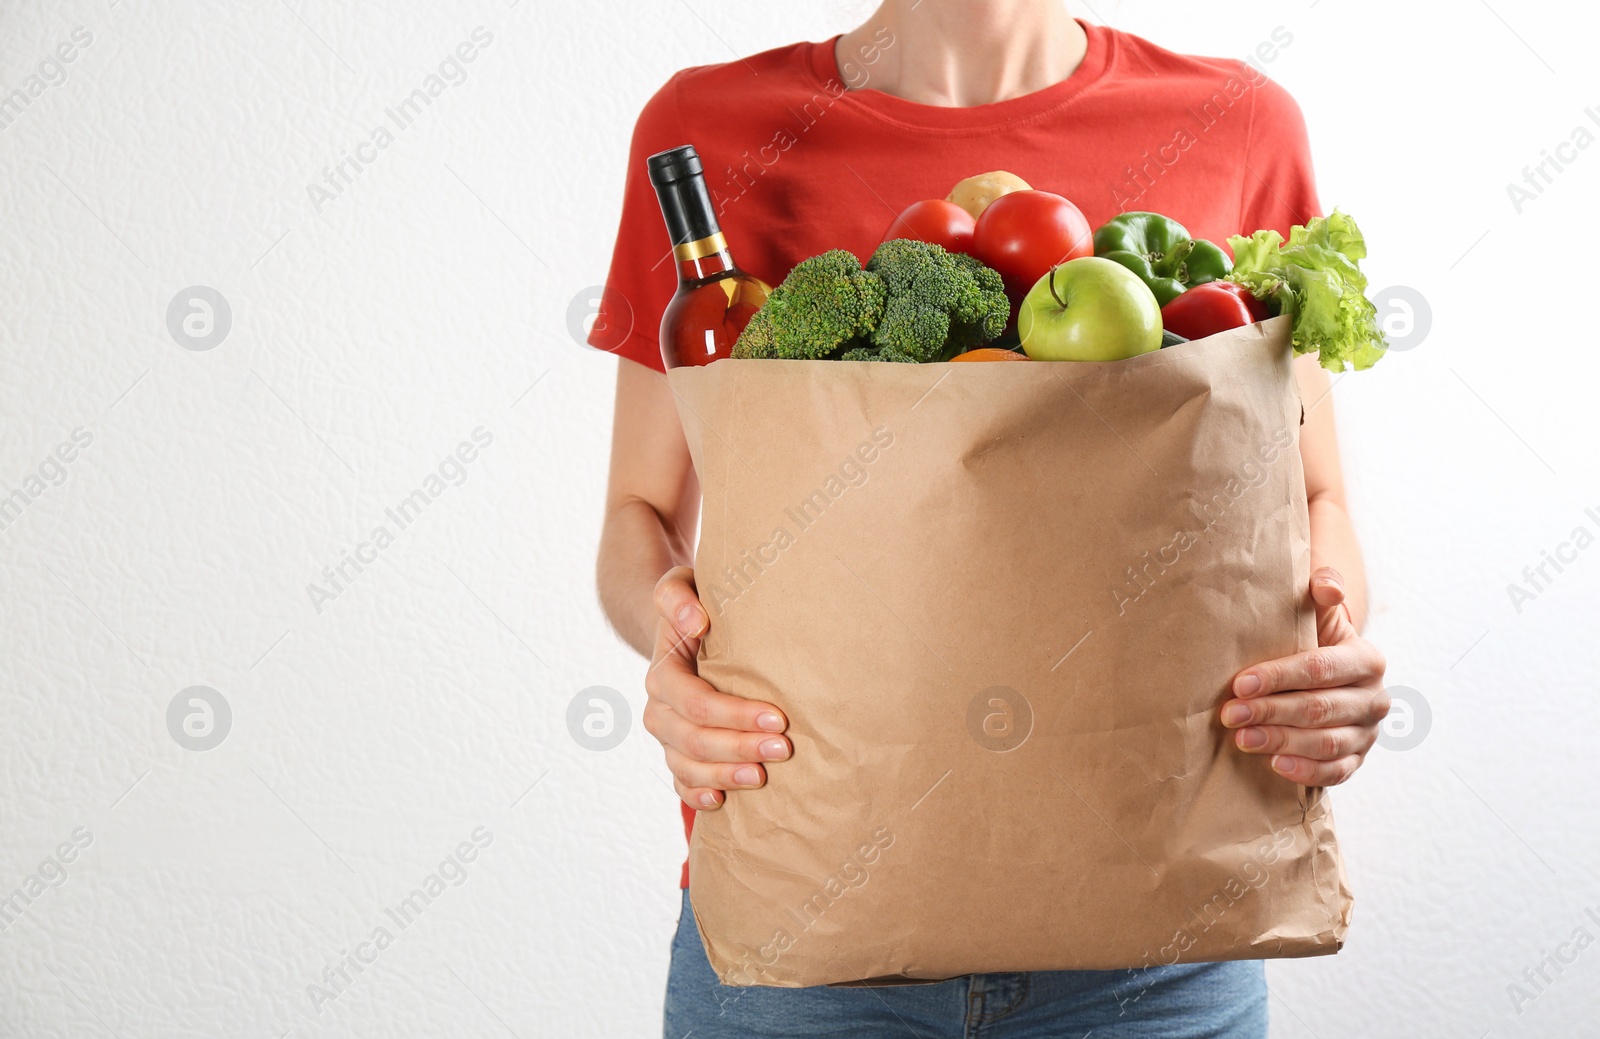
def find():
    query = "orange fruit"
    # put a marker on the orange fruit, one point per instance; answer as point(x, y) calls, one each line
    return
point(990, 353)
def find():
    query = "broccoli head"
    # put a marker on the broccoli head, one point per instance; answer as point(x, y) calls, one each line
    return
point(939, 303)
point(826, 305)
point(872, 353)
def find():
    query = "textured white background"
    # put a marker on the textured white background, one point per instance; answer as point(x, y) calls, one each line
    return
point(370, 338)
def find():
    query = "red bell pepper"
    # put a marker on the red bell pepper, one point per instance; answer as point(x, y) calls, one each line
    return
point(1212, 307)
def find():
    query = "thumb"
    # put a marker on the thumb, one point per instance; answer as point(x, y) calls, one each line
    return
point(1327, 587)
point(677, 600)
point(1333, 617)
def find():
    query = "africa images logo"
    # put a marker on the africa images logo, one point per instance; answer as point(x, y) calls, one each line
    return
point(199, 718)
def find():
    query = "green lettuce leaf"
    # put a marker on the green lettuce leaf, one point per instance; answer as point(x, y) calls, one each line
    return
point(1315, 278)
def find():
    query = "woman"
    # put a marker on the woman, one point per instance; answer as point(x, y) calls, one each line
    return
point(817, 146)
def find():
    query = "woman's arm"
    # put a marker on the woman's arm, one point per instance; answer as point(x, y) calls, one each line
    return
point(652, 504)
point(1317, 713)
point(713, 741)
point(1333, 536)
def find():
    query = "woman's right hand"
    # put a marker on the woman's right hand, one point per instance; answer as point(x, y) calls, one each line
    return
point(714, 741)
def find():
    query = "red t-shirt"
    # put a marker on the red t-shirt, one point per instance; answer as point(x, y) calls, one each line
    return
point(802, 155)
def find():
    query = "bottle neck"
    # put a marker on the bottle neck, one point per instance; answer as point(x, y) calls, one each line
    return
point(698, 244)
point(702, 259)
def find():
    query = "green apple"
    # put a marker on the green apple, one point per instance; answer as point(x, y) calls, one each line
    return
point(1089, 309)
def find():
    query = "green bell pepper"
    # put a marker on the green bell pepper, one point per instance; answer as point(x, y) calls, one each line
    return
point(1160, 251)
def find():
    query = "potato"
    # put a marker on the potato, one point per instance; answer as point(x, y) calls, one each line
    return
point(975, 193)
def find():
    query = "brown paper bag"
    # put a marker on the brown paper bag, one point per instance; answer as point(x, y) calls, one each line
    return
point(1001, 605)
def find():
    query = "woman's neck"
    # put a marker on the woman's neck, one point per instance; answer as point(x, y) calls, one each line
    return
point(959, 53)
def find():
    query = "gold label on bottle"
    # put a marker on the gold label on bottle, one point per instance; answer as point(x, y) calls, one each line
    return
point(704, 247)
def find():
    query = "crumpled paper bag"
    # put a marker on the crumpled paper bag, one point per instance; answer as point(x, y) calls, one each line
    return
point(1001, 605)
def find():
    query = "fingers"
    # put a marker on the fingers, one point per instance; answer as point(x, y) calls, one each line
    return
point(1352, 663)
point(713, 741)
point(674, 678)
point(674, 683)
point(1316, 773)
point(1311, 744)
point(695, 779)
point(706, 744)
point(699, 799)
point(1316, 736)
point(1309, 709)
point(678, 602)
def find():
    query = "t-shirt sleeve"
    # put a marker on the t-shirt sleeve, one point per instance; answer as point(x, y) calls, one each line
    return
point(643, 275)
point(1279, 187)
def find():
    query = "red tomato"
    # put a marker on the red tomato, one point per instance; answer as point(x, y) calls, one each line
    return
point(1023, 234)
point(937, 221)
point(1212, 307)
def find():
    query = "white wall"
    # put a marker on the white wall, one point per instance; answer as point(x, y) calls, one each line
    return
point(368, 339)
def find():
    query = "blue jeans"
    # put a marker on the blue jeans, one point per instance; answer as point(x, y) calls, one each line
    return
point(1188, 1001)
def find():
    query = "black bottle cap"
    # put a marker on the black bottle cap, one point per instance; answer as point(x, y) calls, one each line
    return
point(680, 186)
point(674, 164)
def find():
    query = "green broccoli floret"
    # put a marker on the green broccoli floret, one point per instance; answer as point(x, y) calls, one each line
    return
point(826, 305)
point(939, 303)
point(872, 353)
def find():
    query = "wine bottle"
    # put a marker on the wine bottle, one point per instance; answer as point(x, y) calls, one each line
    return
point(715, 299)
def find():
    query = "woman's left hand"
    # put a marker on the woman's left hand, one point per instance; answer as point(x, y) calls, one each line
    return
point(1317, 713)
